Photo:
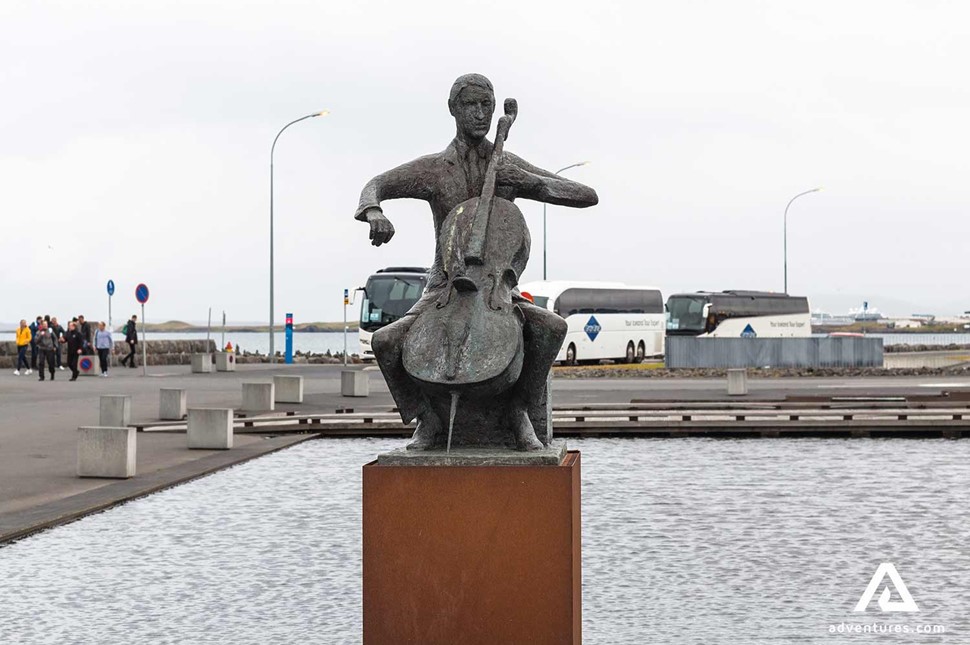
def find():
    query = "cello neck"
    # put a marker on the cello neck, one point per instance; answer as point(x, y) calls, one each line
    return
point(476, 241)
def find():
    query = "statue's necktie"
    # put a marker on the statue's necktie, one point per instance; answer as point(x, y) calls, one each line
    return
point(473, 171)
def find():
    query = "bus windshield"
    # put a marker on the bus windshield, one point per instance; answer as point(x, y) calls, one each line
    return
point(686, 313)
point(387, 298)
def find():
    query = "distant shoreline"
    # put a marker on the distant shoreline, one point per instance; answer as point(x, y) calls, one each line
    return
point(302, 328)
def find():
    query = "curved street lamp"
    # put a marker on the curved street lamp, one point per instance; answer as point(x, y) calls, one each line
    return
point(814, 190)
point(574, 165)
point(272, 150)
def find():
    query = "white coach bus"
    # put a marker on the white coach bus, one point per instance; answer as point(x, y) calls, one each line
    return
point(389, 294)
point(738, 314)
point(606, 320)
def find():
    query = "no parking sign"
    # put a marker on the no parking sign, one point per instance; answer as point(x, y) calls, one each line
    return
point(86, 366)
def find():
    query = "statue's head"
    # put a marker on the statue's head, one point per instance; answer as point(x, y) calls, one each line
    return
point(472, 102)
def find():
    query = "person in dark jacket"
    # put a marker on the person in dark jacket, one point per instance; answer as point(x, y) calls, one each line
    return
point(74, 343)
point(83, 326)
point(131, 337)
point(34, 326)
point(58, 332)
point(44, 341)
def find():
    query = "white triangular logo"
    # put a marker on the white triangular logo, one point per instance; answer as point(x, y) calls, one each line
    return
point(887, 569)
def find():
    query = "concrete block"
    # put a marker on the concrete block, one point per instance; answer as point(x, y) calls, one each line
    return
point(201, 363)
point(225, 362)
point(737, 382)
point(172, 404)
point(106, 452)
point(289, 389)
point(210, 428)
point(354, 383)
point(115, 411)
point(258, 397)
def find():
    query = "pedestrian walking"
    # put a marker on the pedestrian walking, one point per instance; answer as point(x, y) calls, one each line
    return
point(104, 344)
point(24, 338)
point(131, 337)
point(45, 344)
point(58, 333)
point(85, 328)
point(74, 343)
point(34, 326)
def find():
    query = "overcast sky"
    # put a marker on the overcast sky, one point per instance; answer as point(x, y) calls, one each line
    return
point(136, 137)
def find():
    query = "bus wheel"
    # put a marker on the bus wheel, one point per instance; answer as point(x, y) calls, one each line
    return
point(641, 352)
point(571, 354)
point(630, 355)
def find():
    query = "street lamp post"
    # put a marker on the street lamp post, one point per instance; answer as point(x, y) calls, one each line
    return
point(272, 330)
point(581, 163)
point(814, 190)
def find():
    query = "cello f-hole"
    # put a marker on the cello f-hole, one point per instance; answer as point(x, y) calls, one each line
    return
point(492, 294)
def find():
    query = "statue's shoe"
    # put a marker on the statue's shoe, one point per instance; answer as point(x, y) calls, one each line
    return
point(425, 432)
point(525, 434)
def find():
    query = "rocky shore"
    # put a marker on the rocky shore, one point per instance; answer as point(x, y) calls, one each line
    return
point(646, 371)
point(896, 349)
point(160, 352)
point(300, 358)
point(177, 352)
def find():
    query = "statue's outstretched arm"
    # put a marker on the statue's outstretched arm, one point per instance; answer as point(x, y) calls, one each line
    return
point(532, 182)
point(414, 180)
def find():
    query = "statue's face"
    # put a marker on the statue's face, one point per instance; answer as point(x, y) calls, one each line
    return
point(473, 112)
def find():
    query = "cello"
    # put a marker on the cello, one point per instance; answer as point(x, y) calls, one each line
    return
point(470, 343)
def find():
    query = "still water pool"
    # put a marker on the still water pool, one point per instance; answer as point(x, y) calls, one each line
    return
point(684, 541)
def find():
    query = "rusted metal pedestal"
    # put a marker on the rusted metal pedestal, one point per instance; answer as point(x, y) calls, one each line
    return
point(472, 554)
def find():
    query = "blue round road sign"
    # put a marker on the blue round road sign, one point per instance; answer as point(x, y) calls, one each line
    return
point(141, 293)
point(111, 287)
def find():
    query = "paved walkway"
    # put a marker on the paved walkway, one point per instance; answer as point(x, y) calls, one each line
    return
point(39, 421)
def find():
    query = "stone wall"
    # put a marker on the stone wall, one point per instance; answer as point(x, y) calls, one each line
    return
point(160, 352)
point(797, 353)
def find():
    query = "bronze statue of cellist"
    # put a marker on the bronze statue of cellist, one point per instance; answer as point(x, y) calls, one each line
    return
point(445, 180)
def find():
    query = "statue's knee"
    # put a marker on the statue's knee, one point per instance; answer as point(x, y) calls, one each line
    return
point(544, 328)
point(381, 341)
point(387, 338)
point(553, 326)
point(559, 327)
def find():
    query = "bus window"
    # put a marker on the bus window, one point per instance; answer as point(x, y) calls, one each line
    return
point(685, 313)
point(387, 299)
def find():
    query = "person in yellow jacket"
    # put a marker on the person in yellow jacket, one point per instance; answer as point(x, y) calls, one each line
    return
point(23, 342)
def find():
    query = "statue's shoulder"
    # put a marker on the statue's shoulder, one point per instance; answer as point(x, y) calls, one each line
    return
point(447, 156)
point(435, 160)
